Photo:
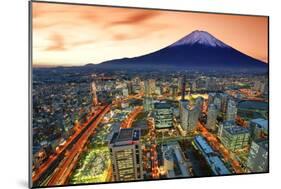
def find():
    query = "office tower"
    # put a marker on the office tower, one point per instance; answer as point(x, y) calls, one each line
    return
point(146, 89)
point(183, 86)
point(224, 99)
point(173, 91)
point(212, 117)
point(211, 97)
point(224, 125)
point(193, 118)
point(147, 101)
point(125, 92)
point(163, 115)
point(231, 110)
point(94, 94)
point(258, 128)
point(258, 156)
point(235, 137)
point(158, 90)
point(184, 113)
point(194, 85)
point(217, 103)
point(152, 86)
point(130, 87)
point(188, 115)
point(126, 155)
point(199, 103)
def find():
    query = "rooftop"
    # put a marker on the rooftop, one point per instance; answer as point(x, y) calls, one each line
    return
point(260, 122)
point(203, 144)
point(162, 106)
point(125, 136)
point(237, 130)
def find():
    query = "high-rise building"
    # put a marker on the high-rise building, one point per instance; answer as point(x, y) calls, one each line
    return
point(148, 104)
point(258, 128)
point(199, 102)
point(212, 117)
point(147, 101)
point(183, 87)
point(211, 98)
point(126, 155)
point(217, 102)
point(258, 156)
point(224, 125)
point(163, 115)
point(188, 115)
point(130, 87)
point(94, 93)
point(184, 113)
point(173, 91)
point(235, 137)
point(125, 92)
point(224, 99)
point(231, 110)
point(152, 86)
point(193, 118)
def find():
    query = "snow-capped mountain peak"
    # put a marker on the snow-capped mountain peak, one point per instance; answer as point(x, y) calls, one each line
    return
point(200, 37)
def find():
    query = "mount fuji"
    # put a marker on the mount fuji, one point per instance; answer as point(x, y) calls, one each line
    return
point(198, 50)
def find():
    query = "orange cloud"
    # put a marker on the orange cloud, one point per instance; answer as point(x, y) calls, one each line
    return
point(95, 34)
point(57, 43)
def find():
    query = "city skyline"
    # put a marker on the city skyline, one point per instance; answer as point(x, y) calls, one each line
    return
point(56, 41)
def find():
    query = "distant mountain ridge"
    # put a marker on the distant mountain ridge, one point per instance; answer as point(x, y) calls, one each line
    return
point(197, 50)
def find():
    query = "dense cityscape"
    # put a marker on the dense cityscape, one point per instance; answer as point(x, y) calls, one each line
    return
point(98, 126)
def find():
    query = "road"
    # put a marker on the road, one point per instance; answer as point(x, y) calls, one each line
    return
point(65, 167)
point(127, 123)
point(214, 142)
point(54, 158)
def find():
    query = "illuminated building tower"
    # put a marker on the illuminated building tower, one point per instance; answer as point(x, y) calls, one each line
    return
point(130, 87)
point(94, 93)
point(199, 102)
point(184, 113)
point(194, 113)
point(211, 98)
point(217, 102)
point(258, 128)
point(174, 92)
point(163, 115)
point(183, 86)
point(147, 101)
point(235, 137)
point(212, 117)
point(126, 155)
point(231, 110)
point(258, 156)
point(224, 125)
point(224, 98)
point(152, 86)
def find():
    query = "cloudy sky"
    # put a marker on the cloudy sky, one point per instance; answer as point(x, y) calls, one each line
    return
point(77, 35)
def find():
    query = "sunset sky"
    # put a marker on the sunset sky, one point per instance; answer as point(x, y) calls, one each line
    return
point(77, 35)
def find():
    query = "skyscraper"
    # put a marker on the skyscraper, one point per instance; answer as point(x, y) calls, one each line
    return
point(188, 115)
point(258, 128)
point(231, 110)
point(183, 86)
point(212, 117)
point(184, 113)
point(235, 137)
point(94, 93)
point(147, 101)
point(163, 115)
point(126, 155)
point(258, 156)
